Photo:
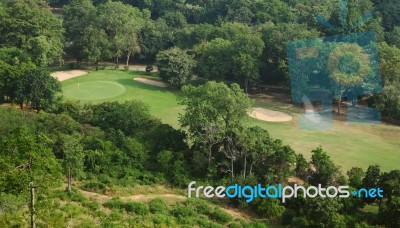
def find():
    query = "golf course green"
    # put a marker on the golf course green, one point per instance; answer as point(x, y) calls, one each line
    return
point(348, 146)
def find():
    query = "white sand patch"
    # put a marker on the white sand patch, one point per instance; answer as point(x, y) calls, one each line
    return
point(152, 82)
point(269, 115)
point(65, 75)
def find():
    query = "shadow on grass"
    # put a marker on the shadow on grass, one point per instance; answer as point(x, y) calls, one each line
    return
point(133, 83)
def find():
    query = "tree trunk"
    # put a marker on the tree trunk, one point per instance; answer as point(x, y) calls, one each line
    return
point(209, 155)
point(246, 83)
point(232, 170)
point(251, 168)
point(245, 164)
point(33, 216)
point(97, 65)
point(128, 55)
point(69, 180)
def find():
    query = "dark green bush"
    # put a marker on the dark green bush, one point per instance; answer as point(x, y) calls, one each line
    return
point(183, 211)
point(136, 207)
point(114, 203)
point(95, 186)
point(220, 216)
point(158, 206)
point(93, 205)
point(162, 219)
point(76, 196)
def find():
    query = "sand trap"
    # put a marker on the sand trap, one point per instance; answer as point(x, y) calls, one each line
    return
point(152, 82)
point(65, 75)
point(269, 115)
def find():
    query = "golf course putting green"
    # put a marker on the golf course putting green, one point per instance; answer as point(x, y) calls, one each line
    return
point(93, 90)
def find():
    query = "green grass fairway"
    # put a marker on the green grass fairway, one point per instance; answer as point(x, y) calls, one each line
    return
point(348, 146)
point(96, 90)
point(118, 85)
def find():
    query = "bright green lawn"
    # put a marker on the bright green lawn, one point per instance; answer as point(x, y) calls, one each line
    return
point(118, 85)
point(348, 146)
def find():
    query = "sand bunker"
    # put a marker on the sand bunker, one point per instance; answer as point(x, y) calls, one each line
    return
point(65, 75)
point(269, 115)
point(152, 82)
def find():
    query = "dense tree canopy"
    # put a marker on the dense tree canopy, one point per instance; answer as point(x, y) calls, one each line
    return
point(175, 66)
point(40, 35)
point(233, 46)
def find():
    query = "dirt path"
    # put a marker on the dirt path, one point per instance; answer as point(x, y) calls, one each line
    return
point(141, 197)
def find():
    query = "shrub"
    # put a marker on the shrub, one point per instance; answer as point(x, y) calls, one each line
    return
point(157, 206)
point(136, 207)
point(76, 196)
point(113, 203)
point(95, 186)
point(183, 211)
point(220, 216)
point(161, 219)
point(93, 205)
point(175, 66)
point(200, 205)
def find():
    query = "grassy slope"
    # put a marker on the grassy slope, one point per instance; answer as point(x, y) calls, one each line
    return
point(347, 145)
point(89, 209)
point(162, 102)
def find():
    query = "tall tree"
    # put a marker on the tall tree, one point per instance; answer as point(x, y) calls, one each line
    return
point(73, 157)
point(121, 23)
point(78, 14)
point(215, 108)
point(41, 35)
point(175, 66)
point(324, 172)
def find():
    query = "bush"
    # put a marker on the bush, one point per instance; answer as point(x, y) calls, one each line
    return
point(158, 206)
point(114, 203)
point(200, 205)
point(136, 207)
point(221, 216)
point(161, 219)
point(76, 196)
point(93, 205)
point(95, 186)
point(183, 211)
point(175, 66)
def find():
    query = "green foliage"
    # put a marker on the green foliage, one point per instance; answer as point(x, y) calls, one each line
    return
point(175, 66)
point(326, 172)
point(31, 27)
point(27, 158)
point(234, 54)
point(135, 207)
point(26, 84)
point(131, 117)
point(154, 37)
point(220, 216)
point(355, 175)
point(157, 206)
